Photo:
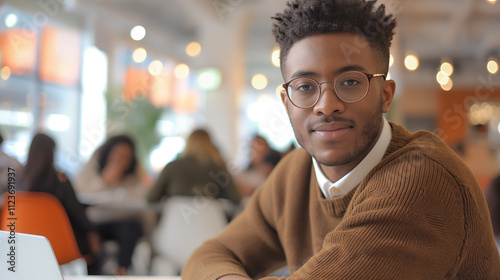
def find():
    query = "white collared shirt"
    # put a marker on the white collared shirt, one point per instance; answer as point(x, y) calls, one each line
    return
point(355, 176)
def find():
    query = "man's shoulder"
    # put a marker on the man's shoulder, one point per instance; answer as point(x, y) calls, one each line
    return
point(293, 167)
point(414, 146)
point(298, 157)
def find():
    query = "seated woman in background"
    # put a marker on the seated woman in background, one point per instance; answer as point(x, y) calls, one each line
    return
point(40, 175)
point(200, 170)
point(113, 177)
point(262, 161)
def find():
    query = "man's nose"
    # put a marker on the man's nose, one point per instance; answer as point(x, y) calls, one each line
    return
point(328, 102)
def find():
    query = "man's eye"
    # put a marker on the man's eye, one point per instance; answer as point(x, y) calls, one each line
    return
point(350, 82)
point(304, 87)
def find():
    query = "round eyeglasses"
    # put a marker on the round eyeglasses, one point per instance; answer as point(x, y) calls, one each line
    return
point(350, 87)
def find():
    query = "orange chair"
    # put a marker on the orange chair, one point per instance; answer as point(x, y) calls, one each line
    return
point(42, 214)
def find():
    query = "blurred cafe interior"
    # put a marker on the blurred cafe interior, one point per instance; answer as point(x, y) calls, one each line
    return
point(84, 70)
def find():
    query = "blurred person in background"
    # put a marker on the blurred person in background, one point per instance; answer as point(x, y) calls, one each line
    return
point(262, 161)
point(7, 164)
point(114, 177)
point(492, 194)
point(200, 171)
point(40, 175)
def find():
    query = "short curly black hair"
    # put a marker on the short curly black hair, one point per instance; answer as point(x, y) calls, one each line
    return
point(304, 18)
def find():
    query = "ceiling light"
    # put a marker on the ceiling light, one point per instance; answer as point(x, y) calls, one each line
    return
point(442, 77)
point(155, 68)
point(181, 71)
point(138, 33)
point(259, 81)
point(139, 55)
point(411, 62)
point(448, 86)
point(447, 68)
point(492, 66)
point(193, 49)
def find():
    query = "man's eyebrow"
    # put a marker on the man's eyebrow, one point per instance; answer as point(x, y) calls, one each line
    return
point(340, 70)
point(304, 74)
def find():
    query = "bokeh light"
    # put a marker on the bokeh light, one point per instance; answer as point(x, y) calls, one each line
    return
point(139, 55)
point(448, 86)
point(411, 62)
point(259, 81)
point(10, 20)
point(181, 71)
point(492, 66)
point(138, 33)
point(209, 79)
point(442, 77)
point(193, 49)
point(447, 68)
point(155, 67)
point(5, 73)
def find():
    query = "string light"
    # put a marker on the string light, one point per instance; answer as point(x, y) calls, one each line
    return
point(492, 66)
point(193, 49)
point(259, 81)
point(411, 62)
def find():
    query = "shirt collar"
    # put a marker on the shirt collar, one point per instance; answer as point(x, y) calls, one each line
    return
point(356, 175)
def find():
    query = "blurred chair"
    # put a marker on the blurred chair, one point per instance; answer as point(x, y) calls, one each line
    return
point(186, 222)
point(42, 214)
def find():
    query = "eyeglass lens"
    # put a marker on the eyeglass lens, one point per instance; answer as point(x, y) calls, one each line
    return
point(349, 87)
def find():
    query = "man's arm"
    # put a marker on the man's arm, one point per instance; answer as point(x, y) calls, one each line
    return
point(249, 246)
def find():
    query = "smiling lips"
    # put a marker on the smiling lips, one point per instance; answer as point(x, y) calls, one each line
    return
point(331, 130)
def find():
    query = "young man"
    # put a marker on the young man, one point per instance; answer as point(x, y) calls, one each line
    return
point(364, 198)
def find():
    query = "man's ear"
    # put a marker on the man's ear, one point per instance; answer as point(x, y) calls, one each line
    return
point(389, 88)
point(284, 98)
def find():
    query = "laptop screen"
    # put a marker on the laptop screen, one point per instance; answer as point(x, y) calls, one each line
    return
point(27, 257)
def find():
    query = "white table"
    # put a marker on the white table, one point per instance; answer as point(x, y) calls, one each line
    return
point(122, 278)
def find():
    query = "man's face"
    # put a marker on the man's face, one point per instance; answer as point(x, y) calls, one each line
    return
point(337, 134)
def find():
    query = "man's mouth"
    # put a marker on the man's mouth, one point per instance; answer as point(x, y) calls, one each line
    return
point(332, 130)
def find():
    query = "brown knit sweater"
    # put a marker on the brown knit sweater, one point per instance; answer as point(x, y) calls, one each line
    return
point(419, 214)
